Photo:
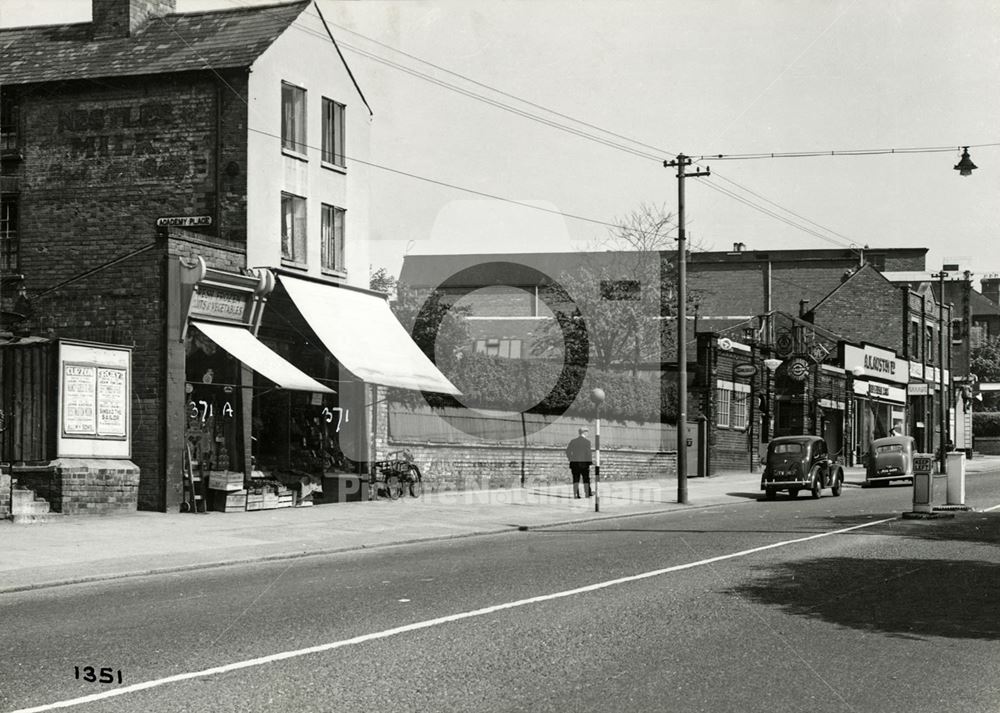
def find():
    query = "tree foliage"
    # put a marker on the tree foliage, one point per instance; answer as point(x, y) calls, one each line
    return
point(382, 280)
point(615, 301)
point(537, 386)
point(440, 330)
point(984, 362)
point(986, 425)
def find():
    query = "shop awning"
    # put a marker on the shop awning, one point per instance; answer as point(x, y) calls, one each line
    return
point(243, 345)
point(361, 331)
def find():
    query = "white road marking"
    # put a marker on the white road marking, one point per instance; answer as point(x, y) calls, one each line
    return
point(416, 626)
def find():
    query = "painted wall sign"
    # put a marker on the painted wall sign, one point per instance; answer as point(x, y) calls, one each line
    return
point(184, 221)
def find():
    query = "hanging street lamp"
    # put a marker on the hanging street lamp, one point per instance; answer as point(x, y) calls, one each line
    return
point(965, 166)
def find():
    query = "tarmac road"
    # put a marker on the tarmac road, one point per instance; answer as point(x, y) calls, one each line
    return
point(748, 605)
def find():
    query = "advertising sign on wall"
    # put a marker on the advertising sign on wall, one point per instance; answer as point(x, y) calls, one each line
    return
point(95, 387)
point(876, 362)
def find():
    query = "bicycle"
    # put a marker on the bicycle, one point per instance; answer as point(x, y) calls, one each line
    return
point(395, 474)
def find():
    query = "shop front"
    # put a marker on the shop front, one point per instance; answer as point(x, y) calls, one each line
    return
point(879, 390)
point(281, 402)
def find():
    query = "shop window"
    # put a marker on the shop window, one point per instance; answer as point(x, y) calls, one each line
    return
point(213, 424)
point(739, 411)
point(10, 242)
point(333, 132)
point(293, 119)
point(293, 228)
point(332, 233)
point(722, 405)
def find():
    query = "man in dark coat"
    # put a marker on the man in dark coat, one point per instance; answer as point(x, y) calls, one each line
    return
point(578, 453)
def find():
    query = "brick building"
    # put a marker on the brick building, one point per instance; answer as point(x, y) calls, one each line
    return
point(725, 287)
point(164, 176)
point(832, 308)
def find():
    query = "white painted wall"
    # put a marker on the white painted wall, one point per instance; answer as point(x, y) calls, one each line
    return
point(305, 56)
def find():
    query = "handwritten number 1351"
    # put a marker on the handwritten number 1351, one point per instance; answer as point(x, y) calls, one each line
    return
point(92, 675)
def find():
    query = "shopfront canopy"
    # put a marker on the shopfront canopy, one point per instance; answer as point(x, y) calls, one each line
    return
point(243, 345)
point(361, 331)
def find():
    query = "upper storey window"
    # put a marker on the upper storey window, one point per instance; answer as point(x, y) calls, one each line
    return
point(293, 119)
point(293, 228)
point(8, 122)
point(333, 132)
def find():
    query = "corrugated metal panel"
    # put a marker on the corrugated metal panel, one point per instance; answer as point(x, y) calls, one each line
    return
point(27, 397)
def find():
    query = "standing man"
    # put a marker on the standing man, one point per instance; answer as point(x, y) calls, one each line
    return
point(578, 453)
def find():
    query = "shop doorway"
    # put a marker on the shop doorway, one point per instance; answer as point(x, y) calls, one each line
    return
point(832, 430)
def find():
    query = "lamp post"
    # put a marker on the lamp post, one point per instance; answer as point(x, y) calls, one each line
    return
point(941, 334)
point(681, 162)
point(771, 364)
point(597, 398)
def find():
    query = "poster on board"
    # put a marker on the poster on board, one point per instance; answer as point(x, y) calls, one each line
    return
point(95, 390)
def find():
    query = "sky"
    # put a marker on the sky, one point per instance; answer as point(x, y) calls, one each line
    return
point(614, 88)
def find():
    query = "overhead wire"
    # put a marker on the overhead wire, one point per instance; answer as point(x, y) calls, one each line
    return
point(658, 158)
point(583, 134)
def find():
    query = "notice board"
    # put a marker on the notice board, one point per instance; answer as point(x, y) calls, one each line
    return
point(95, 396)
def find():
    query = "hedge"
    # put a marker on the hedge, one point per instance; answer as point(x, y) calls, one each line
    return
point(544, 387)
point(986, 424)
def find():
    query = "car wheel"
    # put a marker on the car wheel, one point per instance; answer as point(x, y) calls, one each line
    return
point(815, 489)
point(769, 493)
point(838, 485)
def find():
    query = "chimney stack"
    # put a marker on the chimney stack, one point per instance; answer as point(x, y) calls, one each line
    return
point(991, 288)
point(116, 19)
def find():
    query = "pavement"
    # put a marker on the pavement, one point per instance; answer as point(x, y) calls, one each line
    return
point(92, 548)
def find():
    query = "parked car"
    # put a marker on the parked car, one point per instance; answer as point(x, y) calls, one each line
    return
point(890, 458)
point(797, 463)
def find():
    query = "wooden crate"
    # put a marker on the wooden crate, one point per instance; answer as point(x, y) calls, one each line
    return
point(225, 480)
point(229, 502)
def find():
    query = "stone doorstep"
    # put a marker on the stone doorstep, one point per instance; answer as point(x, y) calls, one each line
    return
point(31, 518)
point(27, 507)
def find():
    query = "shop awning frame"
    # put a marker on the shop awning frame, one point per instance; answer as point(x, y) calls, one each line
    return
point(362, 333)
point(244, 346)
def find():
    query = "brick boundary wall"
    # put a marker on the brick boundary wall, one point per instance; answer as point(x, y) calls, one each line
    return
point(82, 486)
point(476, 467)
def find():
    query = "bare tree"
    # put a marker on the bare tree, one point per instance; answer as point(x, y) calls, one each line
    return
point(620, 295)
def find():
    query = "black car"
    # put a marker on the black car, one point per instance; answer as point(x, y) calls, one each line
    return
point(795, 463)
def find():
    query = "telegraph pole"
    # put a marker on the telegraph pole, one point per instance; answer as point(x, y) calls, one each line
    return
point(681, 162)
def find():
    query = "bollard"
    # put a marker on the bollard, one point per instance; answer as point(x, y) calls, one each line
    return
point(956, 478)
point(923, 482)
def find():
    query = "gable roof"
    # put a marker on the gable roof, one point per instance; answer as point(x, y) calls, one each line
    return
point(864, 270)
point(177, 42)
